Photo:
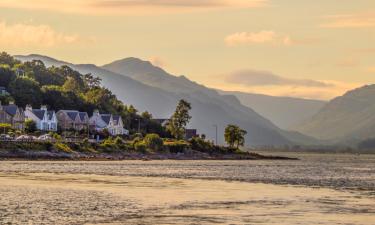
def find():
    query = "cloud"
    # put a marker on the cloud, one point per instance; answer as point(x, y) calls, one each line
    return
point(22, 34)
point(157, 61)
point(364, 20)
point(264, 78)
point(265, 37)
point(127, 6)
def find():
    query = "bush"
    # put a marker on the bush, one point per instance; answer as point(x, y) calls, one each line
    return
point(30, 126)
point(140, 147)
point(63, 147)
point(153, 141)
point(200, 144)
point(119, 141)
point(176, 146)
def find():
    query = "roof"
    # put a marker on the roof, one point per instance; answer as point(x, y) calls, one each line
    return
point(116, 119)
point(39, 113)
point(72, 114)
point(106, 117)
point(82, 115)
point(50, 114)
point(10, 109)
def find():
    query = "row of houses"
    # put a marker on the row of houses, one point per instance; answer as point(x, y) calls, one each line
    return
point(49, 120)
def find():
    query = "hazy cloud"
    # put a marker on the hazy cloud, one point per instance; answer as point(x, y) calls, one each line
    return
point(23, 34)
point(265, 37)
point(350, 21)
point(127, 6)
point(264, 78)
point(157, 61)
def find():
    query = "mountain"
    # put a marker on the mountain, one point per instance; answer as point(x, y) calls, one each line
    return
point(348, 118)
point(284, 112)
point(150, 88)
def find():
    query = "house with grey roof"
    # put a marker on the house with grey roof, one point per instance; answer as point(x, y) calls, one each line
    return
point(13, 115)
point(112, 123)
point(73, 119)
point(45, 119)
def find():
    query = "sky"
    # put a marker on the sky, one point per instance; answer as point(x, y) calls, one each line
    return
point(301, 48)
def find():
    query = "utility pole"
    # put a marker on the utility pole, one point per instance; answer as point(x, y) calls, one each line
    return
point(139, 125)
point(215, 125)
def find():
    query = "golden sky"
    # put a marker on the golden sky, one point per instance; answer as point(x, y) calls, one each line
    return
point(311, 49)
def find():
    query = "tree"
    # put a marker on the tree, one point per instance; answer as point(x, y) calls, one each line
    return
point(6, 75)
point(234, 135)
point(30, 126)
point(91, 81)
point(179, 119)
point(146, 115)
point(26, 91)
point(153, 141)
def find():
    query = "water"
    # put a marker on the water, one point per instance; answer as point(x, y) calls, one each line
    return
point(318, 189)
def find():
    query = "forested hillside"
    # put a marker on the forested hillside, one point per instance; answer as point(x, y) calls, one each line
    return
point(63, 88)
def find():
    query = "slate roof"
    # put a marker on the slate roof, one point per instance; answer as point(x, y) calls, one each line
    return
point(10, 109)
point(116, 118)
point(50, 115)
point(106, 118)
point(39, 113)
point(72, 114)
point(82, 115)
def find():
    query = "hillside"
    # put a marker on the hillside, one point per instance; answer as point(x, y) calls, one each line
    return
point(284, 112)
point(158, 92)
point(349, 117)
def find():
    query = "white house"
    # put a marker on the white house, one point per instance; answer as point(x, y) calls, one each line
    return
point(45, 120)
point(113, 123)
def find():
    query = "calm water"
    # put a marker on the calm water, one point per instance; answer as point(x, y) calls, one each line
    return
point(318, 189)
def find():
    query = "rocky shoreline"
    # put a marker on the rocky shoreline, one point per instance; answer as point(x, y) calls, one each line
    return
point(188, 155)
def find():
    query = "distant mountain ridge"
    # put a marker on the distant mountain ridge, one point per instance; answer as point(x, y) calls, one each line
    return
point(284, 112)
point(348, 118)
point(150, 88)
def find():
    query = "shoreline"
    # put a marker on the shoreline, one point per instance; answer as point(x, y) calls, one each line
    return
point(14, 155)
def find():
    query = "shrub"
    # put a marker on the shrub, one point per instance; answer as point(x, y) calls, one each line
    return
point(153, 141)
point(200, 144)
point(176, 146)
point(119, 141)
point(63, 147)
point(30, 126)
point(140, 146)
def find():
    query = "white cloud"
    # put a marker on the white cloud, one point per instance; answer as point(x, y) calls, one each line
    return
point(22, 34)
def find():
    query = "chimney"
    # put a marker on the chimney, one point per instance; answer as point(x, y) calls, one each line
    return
point(96, 112)
point(29, 107)
point(43, 107)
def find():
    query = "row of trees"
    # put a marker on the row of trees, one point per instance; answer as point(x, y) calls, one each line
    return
point(234, 135)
